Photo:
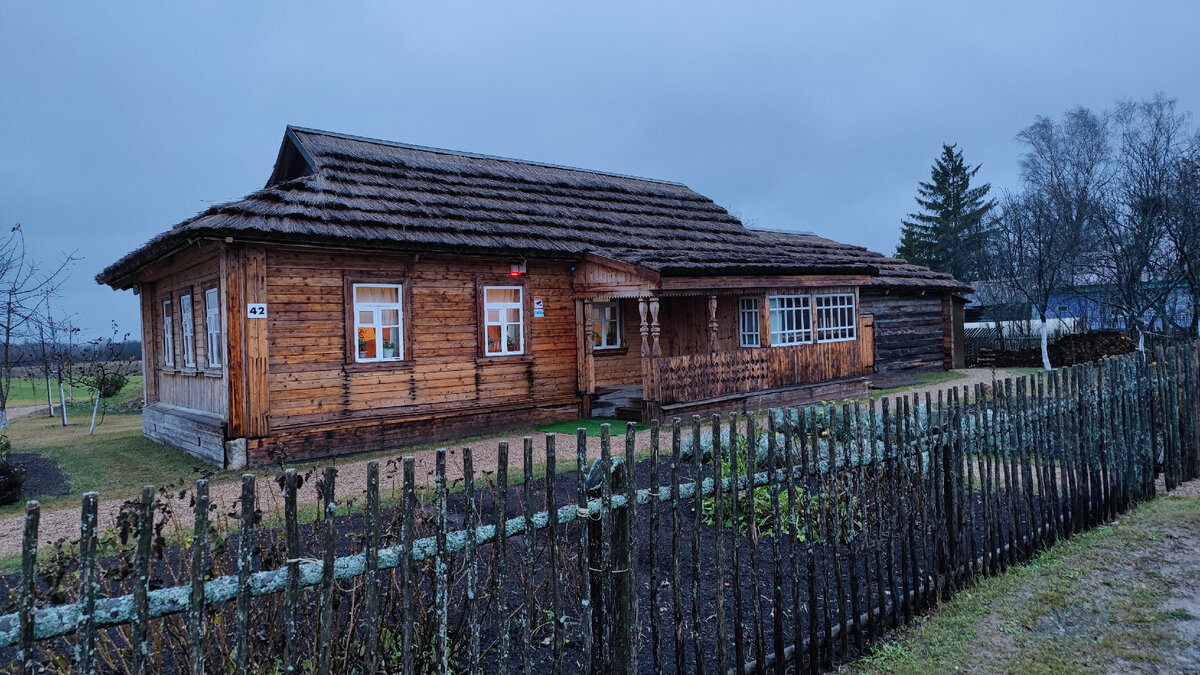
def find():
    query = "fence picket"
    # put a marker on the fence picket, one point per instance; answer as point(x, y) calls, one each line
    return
point(441, 566)
point(85, 627)
point(776, 551)
point(370, 621)
point(141, 589)
point(328, 556)
point(529, 538)
point(407, 608)
point(291, 593)
point(500, 555)
point(719, 545)
point(470, 522)
point(27, 597)
point(245, 560)
point(676, 592)
point(697, 478)
point(655, 579)
point(196, 613)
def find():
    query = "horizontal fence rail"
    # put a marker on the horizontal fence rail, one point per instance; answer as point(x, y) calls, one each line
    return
point(787, 540)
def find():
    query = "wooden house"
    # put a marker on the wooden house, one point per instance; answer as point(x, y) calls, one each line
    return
point(375, 294)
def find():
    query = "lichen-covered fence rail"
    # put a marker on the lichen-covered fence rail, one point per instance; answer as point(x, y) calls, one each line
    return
point(790, 540)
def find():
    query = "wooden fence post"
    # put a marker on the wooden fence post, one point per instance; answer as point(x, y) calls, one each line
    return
point(624, 621)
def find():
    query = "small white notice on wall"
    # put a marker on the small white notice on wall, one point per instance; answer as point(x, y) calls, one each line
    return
point(539, 309)
point(256, 310)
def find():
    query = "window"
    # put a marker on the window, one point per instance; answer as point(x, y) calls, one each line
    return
point(835, 317)
point(377, 322)
point(212, 324)
point(606, 325)
point(189, 330)
point(748, 331)
point(168, 335)
point(502, 314)
point(791, 319)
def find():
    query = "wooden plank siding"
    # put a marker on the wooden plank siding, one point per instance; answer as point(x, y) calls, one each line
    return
point(199, 387)
point(320, 399)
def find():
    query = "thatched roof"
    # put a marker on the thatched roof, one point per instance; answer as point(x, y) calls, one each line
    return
point(892, 272)
point(344, 190)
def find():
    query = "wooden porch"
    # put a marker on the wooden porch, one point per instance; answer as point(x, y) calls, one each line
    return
point(723, 378)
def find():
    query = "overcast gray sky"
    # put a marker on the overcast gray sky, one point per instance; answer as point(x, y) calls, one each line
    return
point(120, 120)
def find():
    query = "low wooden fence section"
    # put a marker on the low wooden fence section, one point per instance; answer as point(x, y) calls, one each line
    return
point(697, 377)
point(790, 540)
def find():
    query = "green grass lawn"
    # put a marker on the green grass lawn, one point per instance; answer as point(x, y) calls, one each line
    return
point(616, 427)
point(1120, 598)
point(116, 461)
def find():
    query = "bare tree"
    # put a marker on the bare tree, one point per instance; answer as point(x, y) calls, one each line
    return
point(1130, 256)
point(1183, 227)
point(1042, 233)
point(24, 287)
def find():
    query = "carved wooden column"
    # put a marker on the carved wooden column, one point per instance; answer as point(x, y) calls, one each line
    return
point(589, 355)
point(643, 310)
point(712, 324)
point(655, 350)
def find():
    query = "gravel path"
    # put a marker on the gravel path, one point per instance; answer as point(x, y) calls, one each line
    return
point(351, 480)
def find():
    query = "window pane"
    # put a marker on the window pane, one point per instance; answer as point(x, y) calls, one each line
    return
point(366, 343)
point(366, 317)
point(512, 315)
point(493, 316)
point(391, 317)
point(493, 339)
point(597, 333)
point(611, 337)
point(382, 294)
point(503, 295)
point(514, 337)
point(391, 341)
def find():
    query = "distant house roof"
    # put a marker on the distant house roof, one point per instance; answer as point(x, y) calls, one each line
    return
point(333, 188)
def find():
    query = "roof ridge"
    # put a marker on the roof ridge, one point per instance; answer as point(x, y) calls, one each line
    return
point(476, 155)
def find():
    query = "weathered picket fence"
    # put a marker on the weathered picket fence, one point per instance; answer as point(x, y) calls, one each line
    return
point(790, 540)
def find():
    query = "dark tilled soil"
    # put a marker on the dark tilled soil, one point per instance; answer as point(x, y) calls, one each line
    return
point(43, 477)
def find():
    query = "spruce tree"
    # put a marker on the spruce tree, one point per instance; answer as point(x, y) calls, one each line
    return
point(950, 234)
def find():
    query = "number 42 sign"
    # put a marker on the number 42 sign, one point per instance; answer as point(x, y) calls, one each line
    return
point(256, 310)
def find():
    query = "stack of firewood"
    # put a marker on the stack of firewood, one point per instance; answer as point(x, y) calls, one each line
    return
point(1065, 351)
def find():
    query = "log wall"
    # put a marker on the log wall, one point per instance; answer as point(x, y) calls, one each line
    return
point(908, 331)
point(323, 403)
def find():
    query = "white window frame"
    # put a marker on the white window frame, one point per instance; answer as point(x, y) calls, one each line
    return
point(791, 319)
point(501, 307)
point(212, 327)
point(836, 317)
point(168, 335)
point(599, 317)
point(377, 309)
point(188, 324)
point(749, 322)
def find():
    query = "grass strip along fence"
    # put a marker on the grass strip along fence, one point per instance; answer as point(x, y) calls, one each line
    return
point(792, 540)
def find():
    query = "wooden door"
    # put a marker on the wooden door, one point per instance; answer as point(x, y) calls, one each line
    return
point(866, 340)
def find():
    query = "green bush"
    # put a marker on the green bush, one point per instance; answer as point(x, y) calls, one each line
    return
point(111, 384)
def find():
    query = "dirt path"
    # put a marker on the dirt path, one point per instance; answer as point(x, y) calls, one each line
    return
point(64, 524)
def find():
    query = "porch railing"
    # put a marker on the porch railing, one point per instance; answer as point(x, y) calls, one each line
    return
point(698, 377)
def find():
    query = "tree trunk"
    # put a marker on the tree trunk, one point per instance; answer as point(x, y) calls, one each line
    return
point(3, 417)
point(62, 400)
point(95, 409)
point(49, 397)
point(1045, 347)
